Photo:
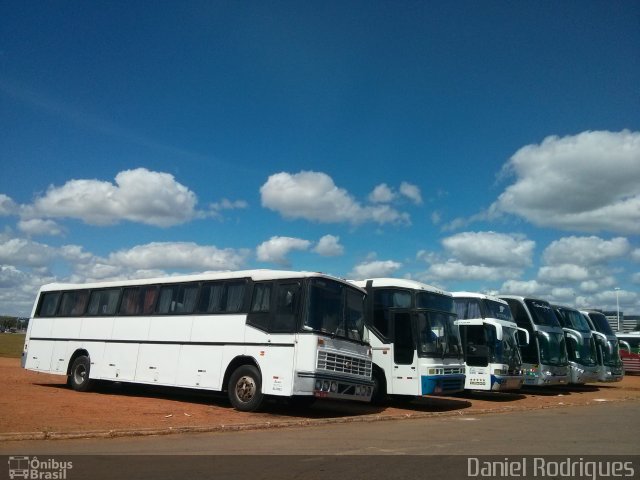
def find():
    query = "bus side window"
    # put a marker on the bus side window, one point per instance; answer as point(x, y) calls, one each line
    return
point(286, 308)
point(73, 303)
point(235, 296)
point(103, 302)
point(139, 300)
point(129, 301)
point(259, 315)
point(48, 304)
point(177, 299)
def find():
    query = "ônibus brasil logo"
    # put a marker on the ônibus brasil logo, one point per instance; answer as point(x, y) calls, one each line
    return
point(36, 469)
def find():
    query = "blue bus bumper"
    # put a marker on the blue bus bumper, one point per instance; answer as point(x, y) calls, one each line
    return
point(442, 384)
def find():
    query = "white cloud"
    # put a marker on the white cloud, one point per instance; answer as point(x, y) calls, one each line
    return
point(562, 296)
point(635, 255)
point(18, 289)
point(382, 194)
point(276, 249)
point(25, 264)
point(529, 288)
point(7, 206)
point(635, 278)
point(458, 271)
point(564, 273)
point(607, 300)
point(487, 256)
point(587, 182)
point(178, 255)
point(329, 246)
point(491, 248)
point(139, 195)
point(314, 196)
point(226, 204)
point(20, 251)
point(385, 194)
point(216, 209)
point(585, 250)
point(11, 277)
point(38, 226)
point(412, 192)
point(375, 268)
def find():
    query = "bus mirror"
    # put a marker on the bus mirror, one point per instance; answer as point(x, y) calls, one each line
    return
point(498, 328)
point(624, 345)
point(365, 335)
point(523, 337)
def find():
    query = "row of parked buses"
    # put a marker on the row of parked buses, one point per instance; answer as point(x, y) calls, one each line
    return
point(305, 335)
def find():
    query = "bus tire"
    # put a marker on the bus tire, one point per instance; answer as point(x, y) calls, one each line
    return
point(379, 395)
point(245, 389)
point(79, 374)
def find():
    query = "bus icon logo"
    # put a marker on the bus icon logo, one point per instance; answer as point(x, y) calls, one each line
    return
point(18, 467)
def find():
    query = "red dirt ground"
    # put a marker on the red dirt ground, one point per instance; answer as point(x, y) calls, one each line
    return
point(36, 402)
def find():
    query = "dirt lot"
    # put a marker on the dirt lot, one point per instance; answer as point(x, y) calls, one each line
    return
point(33, 402)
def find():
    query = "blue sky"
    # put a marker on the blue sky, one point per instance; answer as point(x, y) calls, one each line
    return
point(487, 146)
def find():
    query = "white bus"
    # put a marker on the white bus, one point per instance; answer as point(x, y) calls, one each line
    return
point(490, 342)
point(250, 333)
point(416, 344)
point(610, 365)
point(581, 345)
point(544, 359)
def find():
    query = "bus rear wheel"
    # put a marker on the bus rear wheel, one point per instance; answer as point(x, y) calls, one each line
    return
point(245, 389)
point(79, 375)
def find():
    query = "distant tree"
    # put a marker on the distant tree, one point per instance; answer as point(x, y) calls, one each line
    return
point(8, 322)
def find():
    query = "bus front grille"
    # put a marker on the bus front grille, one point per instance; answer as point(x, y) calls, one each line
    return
point(452, 384)
point(335, 362)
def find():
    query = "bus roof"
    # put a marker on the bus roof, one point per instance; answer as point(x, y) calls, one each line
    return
point(399, 283)
point(256, 275)
point(521, 298)
point(482, 296)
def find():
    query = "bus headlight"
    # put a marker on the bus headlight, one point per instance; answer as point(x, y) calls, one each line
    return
point(334, 387)
point(325, 386)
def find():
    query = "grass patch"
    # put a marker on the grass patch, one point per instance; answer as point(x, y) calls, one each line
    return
point(11, 344)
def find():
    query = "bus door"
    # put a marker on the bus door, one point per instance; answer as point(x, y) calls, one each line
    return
point(405, 377)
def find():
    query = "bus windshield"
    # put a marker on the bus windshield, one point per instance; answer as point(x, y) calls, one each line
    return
point(575, 320)
point(438, 335)
point(508, 351)
point(497, 310)
point(335, 309)
point(542, 313)
point(601, 323)
point(552, 348)
point(582, 351)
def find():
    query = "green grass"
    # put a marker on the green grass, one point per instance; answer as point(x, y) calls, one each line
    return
point(11, 344)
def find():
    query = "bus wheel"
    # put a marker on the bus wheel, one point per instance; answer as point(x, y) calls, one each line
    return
point(379, 395)
point(245, 389)
point(79, 377)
